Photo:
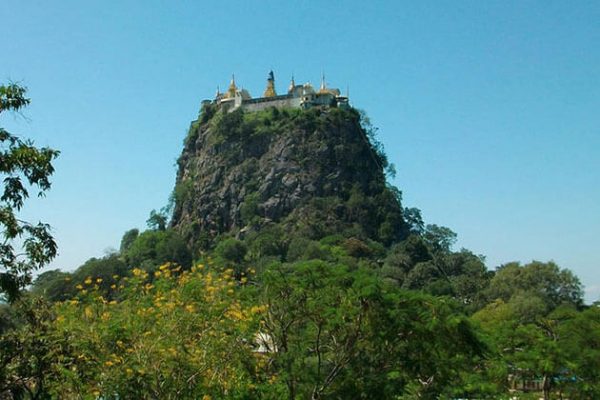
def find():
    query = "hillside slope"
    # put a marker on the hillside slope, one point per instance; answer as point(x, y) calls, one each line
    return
point(313, 172)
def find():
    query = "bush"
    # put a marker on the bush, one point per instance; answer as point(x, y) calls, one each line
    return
point(157, 247)
point(231, 251)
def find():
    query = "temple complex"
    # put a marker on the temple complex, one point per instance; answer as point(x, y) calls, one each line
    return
point(297, 96)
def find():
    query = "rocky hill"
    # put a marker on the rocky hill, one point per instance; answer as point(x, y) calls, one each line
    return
point(313, 172)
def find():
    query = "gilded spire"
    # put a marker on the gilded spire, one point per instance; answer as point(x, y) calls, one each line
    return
point(270, 90)
point(232, 88)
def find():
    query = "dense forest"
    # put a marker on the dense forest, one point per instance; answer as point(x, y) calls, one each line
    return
point(284, 267)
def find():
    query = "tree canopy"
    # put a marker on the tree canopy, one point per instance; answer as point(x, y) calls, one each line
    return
point(25, 246)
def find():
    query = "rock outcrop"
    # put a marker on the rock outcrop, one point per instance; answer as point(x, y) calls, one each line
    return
point(241, 170)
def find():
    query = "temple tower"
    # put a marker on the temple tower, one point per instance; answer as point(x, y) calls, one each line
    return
point(232, 88)
point(270, 90)
point(292, 85)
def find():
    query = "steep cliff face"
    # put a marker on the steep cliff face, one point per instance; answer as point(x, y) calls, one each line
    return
point(312, 171)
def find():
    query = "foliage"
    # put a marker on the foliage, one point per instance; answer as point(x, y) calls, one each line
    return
point(128, 238)
point(322, 327)
point(581, 338)
point(425, 262)
point(54, 285)
point(534, 322)
point(249, 212)
point(157, 220)
point(185, 334)
point(377, 146)
point(23, 167)
point(155, 247)
point(546, 281)
point(342, 334)
point(30, 354)
point(181, 192)
point(231, 251)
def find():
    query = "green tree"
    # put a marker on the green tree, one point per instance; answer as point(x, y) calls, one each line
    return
point(29, 353)
point(439, 238)
point(582, 346)
point(128, 238)
point(341, 333)
point(23, 167)
point(54, 285)
point(231, 251)
point(155, 247)
point(551, 284)
point(157, 220)
point(529, 348)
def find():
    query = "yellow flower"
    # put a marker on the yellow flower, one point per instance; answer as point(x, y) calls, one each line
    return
point(109, 363)
point(163, 267)
point(88, 312)
point(105, 316)
point(79, 287)
point(157, 273)
point(96, 393)
point(137, 272)
point(189, 308)
point(74, 302)
point(99, 280)
point(88, 280)
point(115, 276)
point(67, 279)
point(206, 397)
point(257, 309)
point(119, 343)
point(113, 286)
point(129, 371)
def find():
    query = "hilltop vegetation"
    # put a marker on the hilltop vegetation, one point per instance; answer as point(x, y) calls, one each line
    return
point(290, 269)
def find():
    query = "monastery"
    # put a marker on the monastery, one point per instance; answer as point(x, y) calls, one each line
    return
point(297, 96)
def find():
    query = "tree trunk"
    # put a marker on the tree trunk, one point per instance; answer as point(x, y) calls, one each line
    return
point(546, 387)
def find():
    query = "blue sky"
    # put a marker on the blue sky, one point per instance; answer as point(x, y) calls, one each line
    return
point(489, 110)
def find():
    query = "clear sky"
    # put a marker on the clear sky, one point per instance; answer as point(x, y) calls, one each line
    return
point(489, 110)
